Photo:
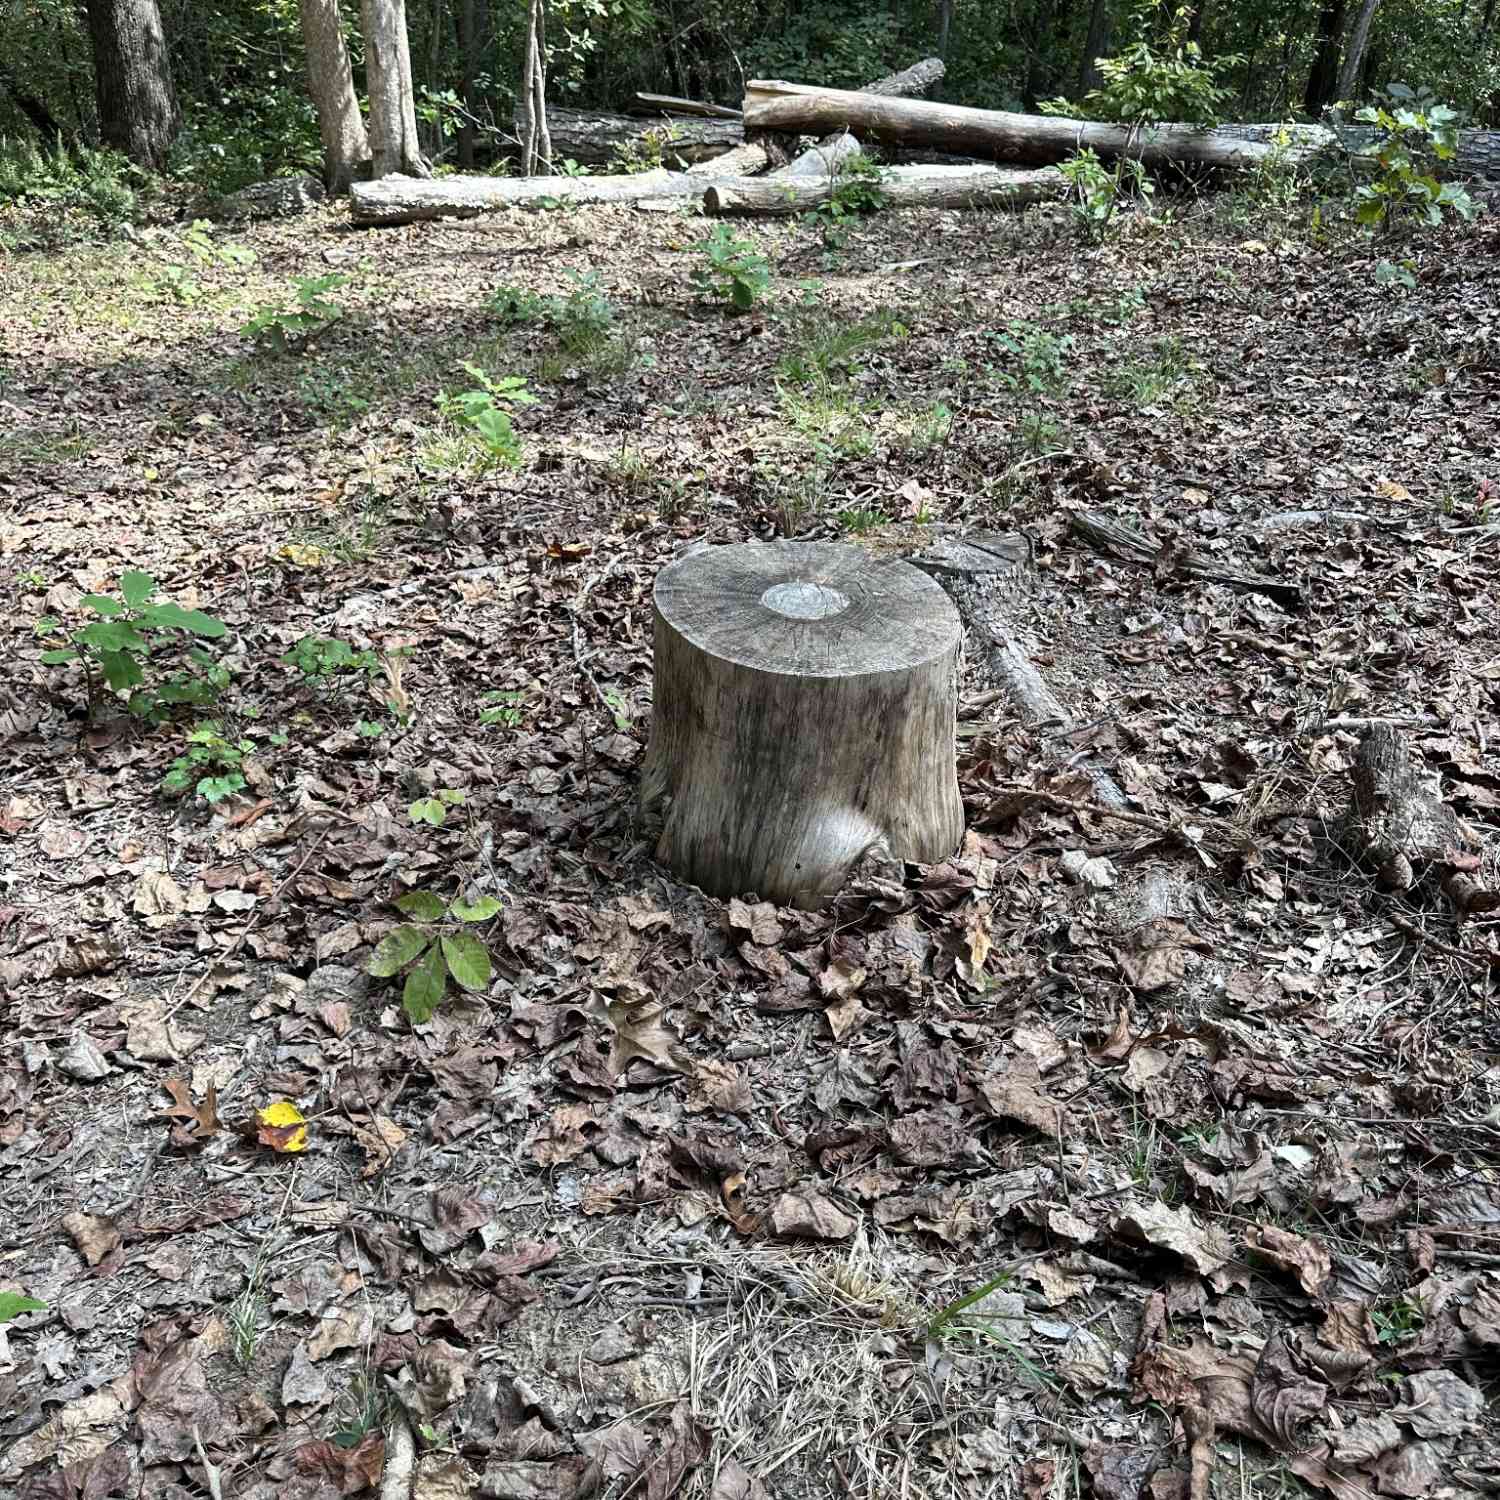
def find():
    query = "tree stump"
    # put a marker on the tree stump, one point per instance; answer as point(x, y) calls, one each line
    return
point(805, 708)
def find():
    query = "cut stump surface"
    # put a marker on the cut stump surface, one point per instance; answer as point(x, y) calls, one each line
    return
point(804, 711)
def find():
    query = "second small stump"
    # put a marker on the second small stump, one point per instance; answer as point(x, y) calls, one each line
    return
point(804, 710)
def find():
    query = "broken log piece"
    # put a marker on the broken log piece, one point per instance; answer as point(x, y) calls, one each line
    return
point(403, 200)
point(803, 714)
point(671, 105)
point(1397, 823)
point(823, 160)
point(980, 572)
point(596, 139)
point(909, 82)
point(998, 134)
point(1105, 534)
point(742, 161)
point(903, 187)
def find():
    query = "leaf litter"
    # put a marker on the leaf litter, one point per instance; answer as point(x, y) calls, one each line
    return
point(677, 1196)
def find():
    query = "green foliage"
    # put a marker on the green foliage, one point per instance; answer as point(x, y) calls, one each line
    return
point(433, 947)
point(262, 124)
point(319, 657)
point(1097, 192)
point(481, 411)
point(735, 271)
point(836, 45)
point(857, 519)
point(501, 708)
point(67, 196)
point(830, 348)
point(1038, 359)
point(646, 152)
point(177, 279)
point(1147, 382)
point(434, 809)
point(210, 767)
point(856, 190)
point(1417, 135)
point(13, 1304)
point(295, 321)
point(1150, 81)
point(118, 644)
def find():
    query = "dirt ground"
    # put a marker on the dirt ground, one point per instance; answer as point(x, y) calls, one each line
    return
point(975, 1184)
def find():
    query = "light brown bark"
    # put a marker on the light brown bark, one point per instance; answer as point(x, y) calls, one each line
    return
point(346, 147)
point(394, 144)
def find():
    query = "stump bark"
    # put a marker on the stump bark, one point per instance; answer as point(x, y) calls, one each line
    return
point(804, 711)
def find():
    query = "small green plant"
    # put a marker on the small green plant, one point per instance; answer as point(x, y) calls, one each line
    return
point(1396, 274)
point(619, 708)
point(1039, 432)
point(857, 520)
point(481, 411)
point(1398, 1320)
point(1416, 135)
point(366, 1409)
point(210, 767)
point(1146, 383)
point(13, 1304)
point(309, 312)
point(433, 947)
point(319, 657)
point(514, 306)
point(647, 151)
point(735, 271)
point(434, 809)
point(1039, 359)
point(829, 349)
point(501, 708)
point(117, 645)
point(855, 190)
point(178, 279)
point(1097, 193)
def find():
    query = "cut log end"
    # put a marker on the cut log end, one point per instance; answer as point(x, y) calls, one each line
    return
point(805, 707)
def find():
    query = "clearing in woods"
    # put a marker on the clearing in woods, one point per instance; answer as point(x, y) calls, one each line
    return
point(689, 1195)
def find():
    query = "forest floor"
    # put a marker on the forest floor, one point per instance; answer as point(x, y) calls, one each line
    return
point(960, 1188)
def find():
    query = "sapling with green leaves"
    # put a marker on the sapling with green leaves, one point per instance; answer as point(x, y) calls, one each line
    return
point(434, 945)
point(735, 271)
point(482, 412)
point(210, 767)
point(1417, 135)
point(310, 311)
point(117, 645)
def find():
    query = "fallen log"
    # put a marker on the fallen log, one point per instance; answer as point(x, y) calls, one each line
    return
point(911, 81)
point(903, 187)
point(1478, 150)
point(822, 160)
point(404, 200)
point(1113, 537)
point(741, 161)
point(998, 134)
point(671, 105)
point(593, 138)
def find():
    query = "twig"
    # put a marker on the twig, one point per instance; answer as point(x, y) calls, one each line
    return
point(210, 1471)
point(254, 921)
point(400, 1456)
point(578, 653)
point(1478, 961)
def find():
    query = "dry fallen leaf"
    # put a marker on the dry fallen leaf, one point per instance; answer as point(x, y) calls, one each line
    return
point(1292, 1252)
point(95, 1235)
point(195, 1123)
point(281, 1126)
point(810, 1216)
point(381, 1140)
point(1204, 1247)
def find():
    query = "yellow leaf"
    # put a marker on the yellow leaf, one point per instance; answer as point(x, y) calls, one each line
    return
point(1197, 497)
point(302, 555)
point(282, 1126)
point(1391, 490)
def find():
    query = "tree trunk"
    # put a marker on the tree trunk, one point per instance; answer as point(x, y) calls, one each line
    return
point(536, 140)
point(133, 80)
point(1322, 80)
point(466, 23)
point(394, 145)
point(1354, 52)
point(1095, 43)
point(909, 82)
point(1004, 136)
point(804, 714)
point(1478, 150)
point(434, 65)
point(346, 147)
point(405, 200)
point(904, 187)
point(35, 111)
point(670, 104)
point(823, 160)
point(743, 161)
